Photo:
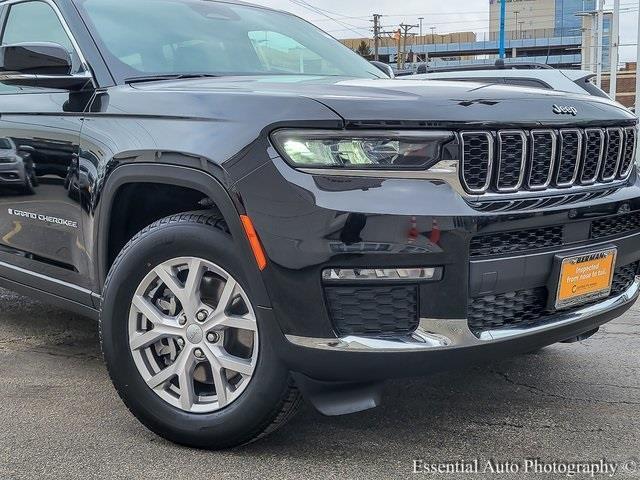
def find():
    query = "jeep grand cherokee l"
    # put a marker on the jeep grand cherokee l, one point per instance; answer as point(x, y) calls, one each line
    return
point(254, 214)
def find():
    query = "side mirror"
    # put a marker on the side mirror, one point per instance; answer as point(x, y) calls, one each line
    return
point(26, 148)
point(39, 65)
point(388, 71)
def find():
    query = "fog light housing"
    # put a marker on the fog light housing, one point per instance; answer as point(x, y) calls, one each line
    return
point(420, 274)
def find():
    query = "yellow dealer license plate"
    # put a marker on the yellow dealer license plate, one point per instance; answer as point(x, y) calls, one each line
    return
point(585, 278)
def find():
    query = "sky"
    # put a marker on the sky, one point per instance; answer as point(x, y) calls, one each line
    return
point(445, 15)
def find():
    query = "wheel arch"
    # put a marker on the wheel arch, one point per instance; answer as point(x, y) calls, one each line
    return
point(179, 176)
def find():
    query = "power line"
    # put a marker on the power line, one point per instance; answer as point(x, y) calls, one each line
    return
point(308, 6)
point(484, 21)
point(452, 13)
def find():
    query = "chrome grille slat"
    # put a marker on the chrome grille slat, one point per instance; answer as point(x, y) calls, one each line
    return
point(477, 161)
point(512, 153)
point(592, 156)
point(544, 145)
point(519, 161)
point(629, 152)
point(613, 155)
point(569, 161)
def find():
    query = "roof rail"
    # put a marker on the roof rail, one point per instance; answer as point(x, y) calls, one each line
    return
point(498, 65)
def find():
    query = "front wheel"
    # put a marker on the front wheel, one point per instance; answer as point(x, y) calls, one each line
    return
point(181, 338)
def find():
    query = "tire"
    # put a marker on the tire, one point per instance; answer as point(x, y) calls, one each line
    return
point(267, 401)
point(28, 184)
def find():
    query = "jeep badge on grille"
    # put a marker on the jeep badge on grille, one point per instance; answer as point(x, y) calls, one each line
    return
point(562, 110)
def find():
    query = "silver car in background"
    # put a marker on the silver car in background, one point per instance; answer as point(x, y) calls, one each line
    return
point(522, 75)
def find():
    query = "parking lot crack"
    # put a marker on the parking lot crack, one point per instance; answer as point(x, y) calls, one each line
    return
point(539, 391)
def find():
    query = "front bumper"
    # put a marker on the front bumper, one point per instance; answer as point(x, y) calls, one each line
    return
point(358, 360)
point(434, 334)
point(309, 223)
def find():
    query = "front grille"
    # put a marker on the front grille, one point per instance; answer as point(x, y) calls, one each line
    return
point(516, 241)
point(507, 161)
point(618, 225)
point(522, 308)
point(528, 308)
point(624, 277)
point(531, 239)
point(373, 311)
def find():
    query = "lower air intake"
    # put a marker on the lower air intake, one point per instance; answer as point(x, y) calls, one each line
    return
point(373, 311)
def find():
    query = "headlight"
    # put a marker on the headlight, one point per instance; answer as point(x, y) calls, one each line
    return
point(362, 150)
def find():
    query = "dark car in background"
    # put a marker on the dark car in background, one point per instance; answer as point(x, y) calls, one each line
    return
point(256, 214)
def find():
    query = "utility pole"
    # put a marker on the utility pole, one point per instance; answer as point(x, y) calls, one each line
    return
point(400, 58)
point(503, 15)
point(599, 43)
point(376, 36)
point(593, 60)
point(404, 34)
point(613, 56)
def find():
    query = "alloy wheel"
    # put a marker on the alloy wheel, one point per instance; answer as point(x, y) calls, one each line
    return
point(193, 334)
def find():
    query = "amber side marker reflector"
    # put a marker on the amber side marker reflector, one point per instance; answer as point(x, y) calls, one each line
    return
point(254, 241)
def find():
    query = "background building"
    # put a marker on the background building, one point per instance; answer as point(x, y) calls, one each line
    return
point(560, 33)
point(531, 18)
point(626, 84)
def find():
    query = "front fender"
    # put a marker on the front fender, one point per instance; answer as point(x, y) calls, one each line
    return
point(184, 177)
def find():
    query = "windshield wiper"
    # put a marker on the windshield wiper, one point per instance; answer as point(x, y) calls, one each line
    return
point(176, 76)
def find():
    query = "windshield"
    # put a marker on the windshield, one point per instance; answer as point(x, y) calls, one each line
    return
point(142, 38)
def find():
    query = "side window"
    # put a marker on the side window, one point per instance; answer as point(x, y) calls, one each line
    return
point(33, 21)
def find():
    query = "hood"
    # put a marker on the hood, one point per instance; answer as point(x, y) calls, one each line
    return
point(399, 103)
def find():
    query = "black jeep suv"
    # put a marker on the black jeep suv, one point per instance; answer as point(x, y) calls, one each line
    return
point(254, 212)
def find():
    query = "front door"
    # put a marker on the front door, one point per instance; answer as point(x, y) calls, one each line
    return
point(40, 213)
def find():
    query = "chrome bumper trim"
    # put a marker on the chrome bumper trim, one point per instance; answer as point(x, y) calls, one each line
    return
point(438, 334)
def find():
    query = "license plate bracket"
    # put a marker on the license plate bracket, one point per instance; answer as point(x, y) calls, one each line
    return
point(580, 278)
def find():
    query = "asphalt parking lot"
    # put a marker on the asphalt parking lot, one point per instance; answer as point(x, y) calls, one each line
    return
point(61, 417)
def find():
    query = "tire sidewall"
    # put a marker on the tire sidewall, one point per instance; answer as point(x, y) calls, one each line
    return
point(244, 417)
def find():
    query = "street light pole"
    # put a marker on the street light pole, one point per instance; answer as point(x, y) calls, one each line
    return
point(638, 68)
point(503, 15)
point(422, 46)
point(613, 57)
point(599, 43)
point(593, 55)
